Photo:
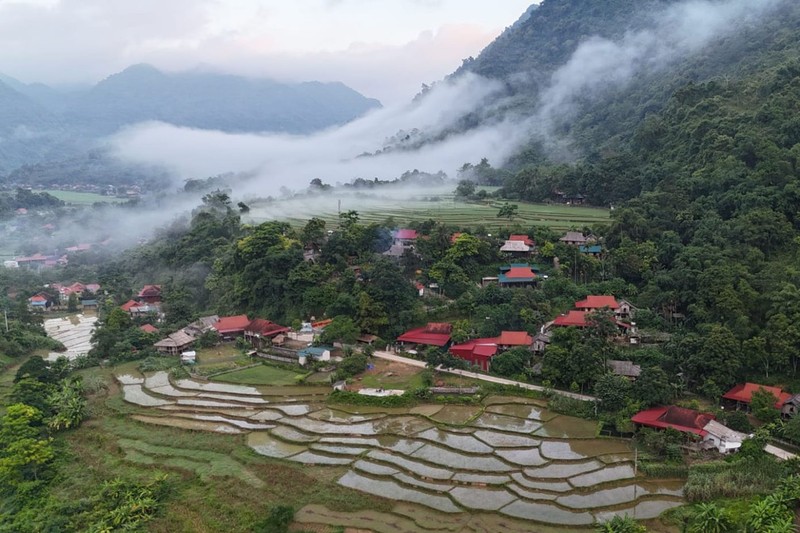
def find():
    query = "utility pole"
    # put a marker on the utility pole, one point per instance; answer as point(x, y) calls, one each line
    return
point(5, 314)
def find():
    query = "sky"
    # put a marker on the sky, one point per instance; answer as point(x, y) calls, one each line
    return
point(383, 48)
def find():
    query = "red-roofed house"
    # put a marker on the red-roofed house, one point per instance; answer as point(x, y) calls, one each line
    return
point(231, 326)
point(575, 319)
point(479, 352)
point(679, 418)
point(405, 236)
point(259, 330)
point(433, 334)
point(39, 301)
point(741, 395)
point(522, 238)
point(510, 339)
point(622, 308)
point(149, 328)
point(517, 275)
point(130, 304)
point(150, 294)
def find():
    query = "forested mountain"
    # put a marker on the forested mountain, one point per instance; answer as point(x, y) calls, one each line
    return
point(214, 101)
point(39, 124)
point(700, 155)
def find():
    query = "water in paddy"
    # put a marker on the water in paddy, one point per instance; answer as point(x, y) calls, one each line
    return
point(456, 414)
point(511, 462)
point(521, 410)
point(265, 444)
point(563, 427)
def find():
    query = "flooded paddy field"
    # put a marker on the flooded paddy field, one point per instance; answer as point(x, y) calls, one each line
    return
point(491, 467)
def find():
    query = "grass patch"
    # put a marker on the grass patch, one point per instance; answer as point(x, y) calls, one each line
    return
point(439, 205)
point(81, 198)
point(224, 353)
point(203, 463)
point(260, 375)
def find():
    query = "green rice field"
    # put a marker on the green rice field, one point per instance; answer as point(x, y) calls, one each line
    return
point(81, 198)
point(259, 375)
point(443, 208)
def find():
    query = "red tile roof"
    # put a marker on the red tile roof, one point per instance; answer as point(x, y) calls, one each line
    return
point(520, 272)
point(523, 238)
point(455, 236)
point(514, 338)
point(265, 328)
point(150, 291)
point(231, 324)
point(421, 336)
point(597, 302)
point(149, 328)
point(406, 234)
point(679, 418)
point(37, 298)
point(573, 318)
point(744, 393)
point(130, 304)
point(321, 323)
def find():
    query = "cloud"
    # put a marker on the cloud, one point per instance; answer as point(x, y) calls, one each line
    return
point(333, 155)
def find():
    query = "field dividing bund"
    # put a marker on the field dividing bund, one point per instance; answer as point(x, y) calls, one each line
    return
point(509, 459)
point(443, 208)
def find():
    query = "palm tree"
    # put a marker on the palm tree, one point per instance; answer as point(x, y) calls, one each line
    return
point(710, 519)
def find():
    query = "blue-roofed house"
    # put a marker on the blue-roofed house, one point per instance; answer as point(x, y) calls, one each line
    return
point(594, 250)
point(317, 353)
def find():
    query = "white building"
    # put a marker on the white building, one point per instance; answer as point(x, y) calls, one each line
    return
point(724, 439)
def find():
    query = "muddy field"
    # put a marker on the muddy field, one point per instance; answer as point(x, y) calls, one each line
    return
point(448, 468)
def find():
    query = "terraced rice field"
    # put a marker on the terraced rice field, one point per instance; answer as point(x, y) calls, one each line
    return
point(75, 333)
point(491, 467)
point(437, 205)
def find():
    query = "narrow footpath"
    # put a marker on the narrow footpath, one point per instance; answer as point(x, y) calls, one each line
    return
point(389, 356)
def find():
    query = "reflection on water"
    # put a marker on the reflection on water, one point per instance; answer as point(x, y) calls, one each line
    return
point(513, 460)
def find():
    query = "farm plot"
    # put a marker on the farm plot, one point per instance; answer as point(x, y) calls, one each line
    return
point(442, 207)
point(499, 458)
point(74, 332)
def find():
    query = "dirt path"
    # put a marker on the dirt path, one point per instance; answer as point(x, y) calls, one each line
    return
point(483, 377)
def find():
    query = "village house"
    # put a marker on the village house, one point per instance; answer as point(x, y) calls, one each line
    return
point(791, 406)
point(433, 334)
point(39, 301)
point(625, 369)
point(230, 327)
point(175, 343)
point(702, 426)
point(260, 332)
point(201, 325)
point(138, 309)
point(405, 237)
point(622, 309)
point(314, 353)
point(150, 294)
point(592, 250)
point(479, 352)
point(575, 238)
point(740, 396)
point(149, 328)
point(517, 275)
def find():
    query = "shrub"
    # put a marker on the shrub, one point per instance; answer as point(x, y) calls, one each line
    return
point(277, 521)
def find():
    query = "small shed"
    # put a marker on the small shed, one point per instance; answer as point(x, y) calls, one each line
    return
point(189, 357)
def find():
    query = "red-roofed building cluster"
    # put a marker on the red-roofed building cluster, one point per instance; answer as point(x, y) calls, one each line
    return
point(480, 352)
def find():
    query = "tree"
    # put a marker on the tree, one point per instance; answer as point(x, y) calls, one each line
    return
point(613, 392)
point(508, 211)
point(762, 405)
point(342, 329)
point(68, 404)
point(709, 518)
point(351, 365)
point(72, 302)
point(653, 387)
point(465, 189)
point(23, 452)
point(511, 363)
